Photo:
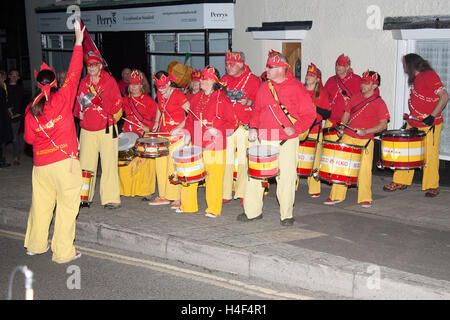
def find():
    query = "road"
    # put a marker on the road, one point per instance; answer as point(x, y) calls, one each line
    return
point(110, 274)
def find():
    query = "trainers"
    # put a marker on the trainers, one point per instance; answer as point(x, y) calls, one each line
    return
point(243, 217)
point(330, 202)
point(226, 200)
point(158, 202)
point(175, 205)
point(210, 215)
point(394, 186)
point(366, 204)
point(33, 254)
point(287, 222)
point(178, 210)
point(112, 206)
point(315, 195)
point(431, 193)
point(77, 255)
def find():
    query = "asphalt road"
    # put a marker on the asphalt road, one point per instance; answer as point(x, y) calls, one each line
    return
point(109, 274)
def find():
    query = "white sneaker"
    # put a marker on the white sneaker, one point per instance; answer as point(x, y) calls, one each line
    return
point(178, 210)
point(33, 254)
point(330, 202)
point(210, 215)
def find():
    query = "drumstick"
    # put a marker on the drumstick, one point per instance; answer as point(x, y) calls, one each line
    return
point(198, 118)
point(134, 123)
point(407, 117)
point(346, 126)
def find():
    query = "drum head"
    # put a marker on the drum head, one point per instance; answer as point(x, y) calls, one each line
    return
point(403, 133)
point(153, 141)
point(127, 140)
point(262, 151)
point(187, 152)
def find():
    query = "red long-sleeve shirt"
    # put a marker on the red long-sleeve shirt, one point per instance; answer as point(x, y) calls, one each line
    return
point(95, 117)
point(340, 92)
point(214, 111)
point(140, 110)
point(249, 83)
point(297, 101)
point(321, 102)
point(56, 120)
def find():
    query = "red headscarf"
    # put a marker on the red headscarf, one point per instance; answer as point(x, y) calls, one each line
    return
point(93, 56)
point(45, 88)
point(233, 57)
point(209, 73)
point(314, 71)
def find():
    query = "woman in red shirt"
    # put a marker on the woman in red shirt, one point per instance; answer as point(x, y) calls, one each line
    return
point(211, 117)
point(50, 129)
point(428, 98)
point(194, 85)
point(138, 178)
point(170, 115)
point(313, 84)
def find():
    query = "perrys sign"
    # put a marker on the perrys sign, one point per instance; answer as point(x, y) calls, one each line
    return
point(185, 17)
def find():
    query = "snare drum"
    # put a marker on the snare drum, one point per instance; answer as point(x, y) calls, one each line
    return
point(86, 186)
point(152, 147)
point(306, 156)
point(340, 163)
point(127, 141)
point(403, 149)
point(262, 162)
point(189, 165)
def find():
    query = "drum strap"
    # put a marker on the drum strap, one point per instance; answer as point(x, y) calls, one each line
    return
point(345, 93)
point(291, 119)
point(136, 112)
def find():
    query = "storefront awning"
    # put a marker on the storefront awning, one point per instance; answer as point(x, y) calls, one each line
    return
point(418, 27)
point(287, 30)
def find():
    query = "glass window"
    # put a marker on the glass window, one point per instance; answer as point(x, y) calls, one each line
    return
point(58, 60)
point(437, 52)
point(53, 42)
point(191, 42)
point(162, 43)
point(68, 41)
point(218, 62)
point(218, 42)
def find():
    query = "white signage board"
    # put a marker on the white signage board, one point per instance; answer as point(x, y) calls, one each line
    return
point(180, 17)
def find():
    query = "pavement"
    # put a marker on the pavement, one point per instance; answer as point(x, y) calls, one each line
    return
point(397, 249)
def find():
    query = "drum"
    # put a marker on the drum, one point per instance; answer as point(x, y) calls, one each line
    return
point(86, 187)
point(340, 163)
point(262, 162)
point(330, 134)
point(189, 165)
point(152, 147)
point(127, 141)
point(403, 149)
point(306, 156)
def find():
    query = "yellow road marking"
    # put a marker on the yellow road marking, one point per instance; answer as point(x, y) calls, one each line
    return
point(180, 272)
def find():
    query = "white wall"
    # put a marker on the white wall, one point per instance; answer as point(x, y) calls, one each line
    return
point(339, 26)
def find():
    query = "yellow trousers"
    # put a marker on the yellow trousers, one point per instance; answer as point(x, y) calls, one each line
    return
point(314, 184)
point(339, 191)
point(286, 180)
point(93, 144)
point(430, 179)
point(215, 167)
point(54, 184)
point(138, 178)
point(238, 140)
point(164, 168)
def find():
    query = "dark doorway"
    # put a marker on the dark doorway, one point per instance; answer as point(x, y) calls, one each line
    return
point(124, 49)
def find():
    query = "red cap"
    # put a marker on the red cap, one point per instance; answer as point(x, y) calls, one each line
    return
point(136, 77)
point(163, 81)
point(343, 61)
point(274, 60)
point(93, 57)
point(366, 77)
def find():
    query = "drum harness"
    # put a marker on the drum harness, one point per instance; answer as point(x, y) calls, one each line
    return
point(135, 112)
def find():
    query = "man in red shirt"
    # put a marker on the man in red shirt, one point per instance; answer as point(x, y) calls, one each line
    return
point(98, 134)
point(341, 87)
point(124, 82)
point(238, 78)
point(427, 100)
point(283, 110)
point(368, 114)
point(50, 129)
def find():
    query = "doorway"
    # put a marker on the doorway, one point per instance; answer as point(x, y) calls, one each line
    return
point(124, 49)
point(293, 52)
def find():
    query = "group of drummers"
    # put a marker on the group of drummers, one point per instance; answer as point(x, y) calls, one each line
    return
point(231, 134)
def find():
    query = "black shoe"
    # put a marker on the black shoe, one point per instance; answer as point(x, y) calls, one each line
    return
point(85, 205)
point(243, 217)
point(4, 164)
point(431, 193)
point(112, 206)
point(287, 222)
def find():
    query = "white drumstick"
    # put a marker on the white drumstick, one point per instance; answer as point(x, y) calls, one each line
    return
point(134, 123)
